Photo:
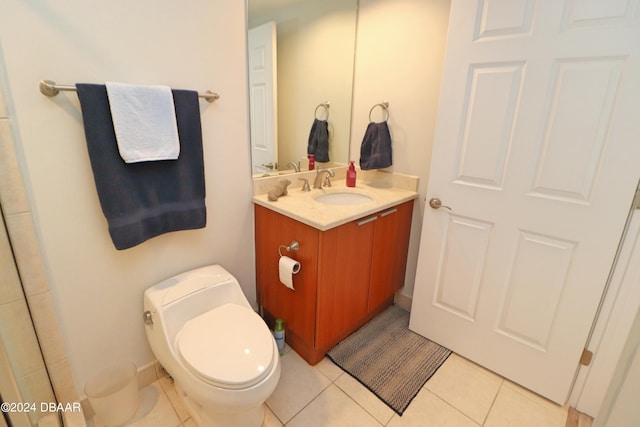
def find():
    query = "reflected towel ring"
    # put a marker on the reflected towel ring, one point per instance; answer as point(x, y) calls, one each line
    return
point(385, 108)
point(324, 105)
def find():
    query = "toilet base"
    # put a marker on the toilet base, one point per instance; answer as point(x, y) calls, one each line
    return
point(203, 418)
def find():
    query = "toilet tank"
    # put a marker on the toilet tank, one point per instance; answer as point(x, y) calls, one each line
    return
point(177, 299)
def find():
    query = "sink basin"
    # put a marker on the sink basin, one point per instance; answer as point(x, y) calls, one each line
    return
point(343, 199)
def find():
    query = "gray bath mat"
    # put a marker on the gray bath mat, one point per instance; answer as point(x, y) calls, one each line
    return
point(389, 359)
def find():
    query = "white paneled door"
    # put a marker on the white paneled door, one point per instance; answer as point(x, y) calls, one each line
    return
point(263, 101)
point(537, 155)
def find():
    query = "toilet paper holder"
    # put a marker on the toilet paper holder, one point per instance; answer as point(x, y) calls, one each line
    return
point(294, 246)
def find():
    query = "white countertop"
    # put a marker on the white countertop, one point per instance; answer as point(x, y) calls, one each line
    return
point(302, 206)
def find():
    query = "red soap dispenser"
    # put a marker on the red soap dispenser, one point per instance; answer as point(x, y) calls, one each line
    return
point(312, 162)
point(351, 175)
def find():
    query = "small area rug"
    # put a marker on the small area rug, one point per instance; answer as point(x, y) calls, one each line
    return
point(389, 359)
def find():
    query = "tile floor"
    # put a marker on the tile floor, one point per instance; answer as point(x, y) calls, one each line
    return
point(460, 394)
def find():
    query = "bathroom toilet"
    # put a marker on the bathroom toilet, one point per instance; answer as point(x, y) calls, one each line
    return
point(220, 353)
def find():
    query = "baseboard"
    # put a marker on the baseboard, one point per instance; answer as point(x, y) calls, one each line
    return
point(402, 301)
point(150, 373)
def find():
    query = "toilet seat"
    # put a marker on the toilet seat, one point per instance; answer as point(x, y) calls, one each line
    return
point(229, 347)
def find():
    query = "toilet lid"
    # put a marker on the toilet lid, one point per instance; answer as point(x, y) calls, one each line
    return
point(230, 346)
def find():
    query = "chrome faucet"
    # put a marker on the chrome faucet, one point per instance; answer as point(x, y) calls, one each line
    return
point(295, 165)
point(317, 183)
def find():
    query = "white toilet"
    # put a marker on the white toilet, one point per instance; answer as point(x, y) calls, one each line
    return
point(220, 353)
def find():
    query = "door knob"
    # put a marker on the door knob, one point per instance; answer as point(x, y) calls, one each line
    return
point(436, 203)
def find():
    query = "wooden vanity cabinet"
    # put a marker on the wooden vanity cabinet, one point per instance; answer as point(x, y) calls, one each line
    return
point(348, 274)
point(390, 249)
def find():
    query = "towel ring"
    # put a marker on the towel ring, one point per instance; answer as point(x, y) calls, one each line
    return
point(385, 108)
point(324, 105)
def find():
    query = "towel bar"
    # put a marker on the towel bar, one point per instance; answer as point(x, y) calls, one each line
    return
point(50, 88)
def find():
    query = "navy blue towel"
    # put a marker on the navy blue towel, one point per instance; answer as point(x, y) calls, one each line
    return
point(319, 140)
point(144, 200)
point(375, 151)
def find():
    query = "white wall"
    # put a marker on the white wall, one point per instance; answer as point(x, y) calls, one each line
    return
point(196, 45)
point(399, 56)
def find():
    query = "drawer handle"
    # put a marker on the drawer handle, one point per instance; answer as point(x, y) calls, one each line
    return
point(367, 220)
point(389, 212)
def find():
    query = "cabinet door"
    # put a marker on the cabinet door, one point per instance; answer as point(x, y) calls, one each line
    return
point(297, 307)
point(343, 279)
point(389, 258)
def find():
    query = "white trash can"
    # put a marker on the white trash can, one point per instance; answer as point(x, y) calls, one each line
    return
point(113, 394)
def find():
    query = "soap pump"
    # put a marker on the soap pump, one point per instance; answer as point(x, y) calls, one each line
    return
point(312, 162)
point(351, 175)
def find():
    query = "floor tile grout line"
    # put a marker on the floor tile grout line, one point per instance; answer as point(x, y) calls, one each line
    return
point(309, 402)
point(171, 402)
point(306, 405)
point(274, 414)
point(333, 382)
point(452, 407)
point(493, 402)
point(357, 403)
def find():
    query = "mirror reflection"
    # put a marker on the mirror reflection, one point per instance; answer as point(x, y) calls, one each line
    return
point(301, 57)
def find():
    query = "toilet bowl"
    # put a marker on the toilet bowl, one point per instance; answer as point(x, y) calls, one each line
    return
point(220, 353)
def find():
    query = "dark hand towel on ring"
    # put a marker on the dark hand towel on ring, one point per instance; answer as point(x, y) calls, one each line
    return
point(319, 140)
point(375, 151)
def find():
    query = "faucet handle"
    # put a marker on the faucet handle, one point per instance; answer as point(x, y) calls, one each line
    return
point(317, 183)
point(295, 165)
point(305, 186)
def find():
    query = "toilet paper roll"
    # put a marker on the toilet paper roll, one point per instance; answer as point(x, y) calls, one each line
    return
point(287, 268)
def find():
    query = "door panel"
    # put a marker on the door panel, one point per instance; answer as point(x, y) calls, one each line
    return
point(599, 12)
point(536, 152)
point(499, 18)
point(537, 276)
point(465, 243)
point(575, 138)
point(492, 100)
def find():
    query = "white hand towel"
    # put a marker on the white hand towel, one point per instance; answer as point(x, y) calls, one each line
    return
point(144, 120)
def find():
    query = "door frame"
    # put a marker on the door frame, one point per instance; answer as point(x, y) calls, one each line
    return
point(610, 329)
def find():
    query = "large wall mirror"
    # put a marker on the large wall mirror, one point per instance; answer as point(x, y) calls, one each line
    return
point(311, 56)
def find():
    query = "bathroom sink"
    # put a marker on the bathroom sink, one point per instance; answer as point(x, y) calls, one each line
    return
point(343, 198)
